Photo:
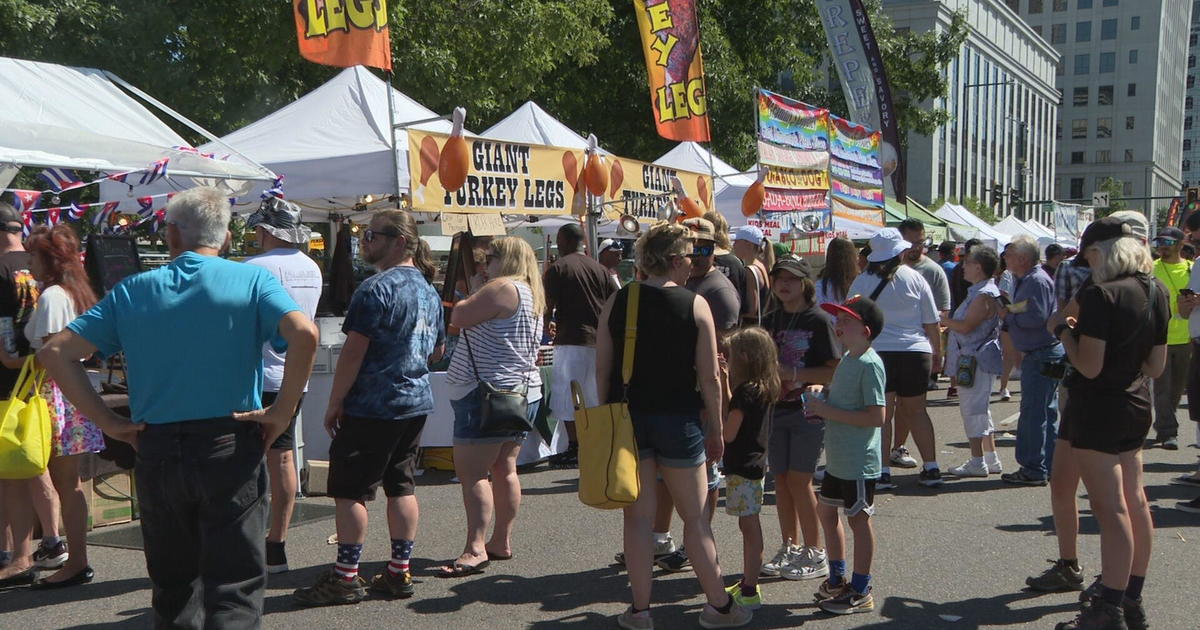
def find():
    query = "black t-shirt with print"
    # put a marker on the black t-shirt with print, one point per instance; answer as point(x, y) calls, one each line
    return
point(733, 268)
point(746, 455)
point(18, 296)
point(804, 339)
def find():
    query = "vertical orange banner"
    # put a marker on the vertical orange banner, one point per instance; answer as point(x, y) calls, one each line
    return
point(671, 42)
point(344, 32)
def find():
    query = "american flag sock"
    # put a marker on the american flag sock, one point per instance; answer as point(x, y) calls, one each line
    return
point(346, 566)
point(401, 554)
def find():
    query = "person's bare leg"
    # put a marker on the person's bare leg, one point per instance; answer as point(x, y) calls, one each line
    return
point(864, 542)
point(282, 471)
point(20, 522)
point(889, 428)
point(404, 514)
point(1064, 488)
point(912, 409)
point(1139, 511)
point(663, 508)
point(64, 472)
point(752, 549)
point(638, 547)
point(789, 522)
point(1102, 476)
point(44, 500)
point(976, 446)
point(800, 485)
point(471, 464)
point(350, 517)
point(506, 499)
point(689, 487)
point(835, 537)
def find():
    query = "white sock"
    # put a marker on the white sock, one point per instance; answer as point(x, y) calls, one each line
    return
point(975, 461)
point(991, 457)
point(931, 465)
point(661, 539)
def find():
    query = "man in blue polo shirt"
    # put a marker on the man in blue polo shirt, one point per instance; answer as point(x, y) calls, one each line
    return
point(192, 333)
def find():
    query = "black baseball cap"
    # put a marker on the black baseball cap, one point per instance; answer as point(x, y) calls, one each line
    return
point(1101, 229)
point(797, 267)
point(1053, 249)
point(863, 309)
point(1170, 233)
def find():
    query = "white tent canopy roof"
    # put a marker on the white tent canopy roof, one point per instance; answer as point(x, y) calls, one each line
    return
point(980, 228)
point(1013, 226)
point(690, 156)
point(531, 124)
point(78, 118)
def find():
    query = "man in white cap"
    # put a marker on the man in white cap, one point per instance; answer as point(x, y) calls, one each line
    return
point(281, 235)
point(609, 255)
point(747, 244)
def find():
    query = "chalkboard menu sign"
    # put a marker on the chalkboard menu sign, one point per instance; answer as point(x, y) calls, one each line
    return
point(109, 259)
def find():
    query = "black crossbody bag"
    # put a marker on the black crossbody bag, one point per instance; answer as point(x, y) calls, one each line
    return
point(501, 410)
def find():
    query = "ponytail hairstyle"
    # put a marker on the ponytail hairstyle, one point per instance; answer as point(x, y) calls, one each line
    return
point(885, 269)
point(57, 249)
point(405, 226)
point(423, 260)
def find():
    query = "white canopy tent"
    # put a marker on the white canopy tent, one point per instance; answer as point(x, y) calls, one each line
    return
point(1013, 226)
point(333, 145)
point(529, 123)
point(80, 118)
point(978, 228)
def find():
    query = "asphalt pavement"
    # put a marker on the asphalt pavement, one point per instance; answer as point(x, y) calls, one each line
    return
point(953, 558)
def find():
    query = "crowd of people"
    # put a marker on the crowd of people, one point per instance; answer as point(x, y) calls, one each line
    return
point(746, 365)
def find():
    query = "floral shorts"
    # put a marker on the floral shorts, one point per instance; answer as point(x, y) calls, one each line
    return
point(73, 433)
point(743, 497)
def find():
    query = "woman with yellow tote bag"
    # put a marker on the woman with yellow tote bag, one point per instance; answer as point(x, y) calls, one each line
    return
point(25, 427)
point(674, 349)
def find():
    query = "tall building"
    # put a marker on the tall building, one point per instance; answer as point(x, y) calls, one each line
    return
point(1191, 127)
point(1002, 103)
point(1123, 81)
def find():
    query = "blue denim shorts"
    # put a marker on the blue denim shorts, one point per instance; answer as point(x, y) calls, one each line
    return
point(674, 441)
point(467, 420)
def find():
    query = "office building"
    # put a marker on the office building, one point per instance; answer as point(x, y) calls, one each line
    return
point(1191, 115)
point(1123, 79)
point(1003, 107)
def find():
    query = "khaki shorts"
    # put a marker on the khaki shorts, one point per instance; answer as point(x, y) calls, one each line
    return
point(743, 497)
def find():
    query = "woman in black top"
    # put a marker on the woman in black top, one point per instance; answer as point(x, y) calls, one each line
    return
point(675, 348)
point(1117, 345)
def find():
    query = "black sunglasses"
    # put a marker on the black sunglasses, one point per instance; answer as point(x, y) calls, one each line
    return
point(370, 235)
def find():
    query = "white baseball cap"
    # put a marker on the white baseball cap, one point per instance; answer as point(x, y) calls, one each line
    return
point(887, 244)
point(748, 233)
point(608, 244)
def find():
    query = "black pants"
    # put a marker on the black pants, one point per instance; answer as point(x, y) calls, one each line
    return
point(201, 489)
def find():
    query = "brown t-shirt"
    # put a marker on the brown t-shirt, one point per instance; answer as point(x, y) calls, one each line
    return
point(577, 286)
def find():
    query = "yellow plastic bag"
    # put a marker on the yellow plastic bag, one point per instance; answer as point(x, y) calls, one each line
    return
point(608, 454)
point(25, 430)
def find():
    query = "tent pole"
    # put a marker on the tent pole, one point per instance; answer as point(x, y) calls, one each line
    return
point(391, 100)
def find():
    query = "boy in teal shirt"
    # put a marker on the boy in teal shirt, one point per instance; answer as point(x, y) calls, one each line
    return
point(853, 413)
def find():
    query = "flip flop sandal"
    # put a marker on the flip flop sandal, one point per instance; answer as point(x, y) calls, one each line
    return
point(501, 557)
point(459, 569)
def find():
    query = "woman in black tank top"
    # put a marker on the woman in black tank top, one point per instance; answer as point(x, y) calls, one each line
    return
point(675, 353)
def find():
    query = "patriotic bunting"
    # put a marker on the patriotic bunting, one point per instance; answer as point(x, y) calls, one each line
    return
point(26, 199)
point(60, 179)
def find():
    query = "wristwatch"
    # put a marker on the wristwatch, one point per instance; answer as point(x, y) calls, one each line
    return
point(1058, 330)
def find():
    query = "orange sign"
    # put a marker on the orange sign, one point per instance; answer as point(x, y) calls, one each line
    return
point(344, 32)
point(671, 43)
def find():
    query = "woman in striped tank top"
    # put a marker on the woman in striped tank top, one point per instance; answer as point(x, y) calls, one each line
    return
point(501, 326)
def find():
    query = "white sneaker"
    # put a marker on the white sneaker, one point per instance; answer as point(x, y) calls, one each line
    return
point(993, 467)
point(819, 475)
point(809, 564)
point(786, 554)
point(1005, 394)
point(970, 470)
point(901, 458)
point(737, 617)
point(630, 621)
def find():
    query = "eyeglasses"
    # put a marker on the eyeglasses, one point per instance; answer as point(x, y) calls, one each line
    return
point(700, 251)
point(370, 235)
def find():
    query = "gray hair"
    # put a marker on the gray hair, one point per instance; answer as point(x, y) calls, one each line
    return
point(1122, 256)
point(1027, 247)
point(201, 215)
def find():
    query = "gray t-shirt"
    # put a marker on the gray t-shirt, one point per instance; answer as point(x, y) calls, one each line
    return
point(936, 277)
point(721, 296)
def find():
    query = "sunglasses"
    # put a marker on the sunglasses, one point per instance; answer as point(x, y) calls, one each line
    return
point(701, 251)
point(1165, 242)
point(369, 235)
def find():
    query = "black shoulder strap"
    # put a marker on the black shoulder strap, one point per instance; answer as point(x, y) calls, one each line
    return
point(879, 289)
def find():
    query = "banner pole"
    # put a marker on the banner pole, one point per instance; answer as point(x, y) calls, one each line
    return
point(391, 101)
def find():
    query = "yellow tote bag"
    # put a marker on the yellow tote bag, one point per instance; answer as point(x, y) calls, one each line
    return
point(608, 455)
point(25, 430)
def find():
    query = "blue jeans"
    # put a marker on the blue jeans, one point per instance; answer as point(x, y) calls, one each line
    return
point(1037, 427)
point(467, 421)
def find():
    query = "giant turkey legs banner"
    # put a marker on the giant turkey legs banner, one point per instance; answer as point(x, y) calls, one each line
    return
point(671, 42)
point(859, 63)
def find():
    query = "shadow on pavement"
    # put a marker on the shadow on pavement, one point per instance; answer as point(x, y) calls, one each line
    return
point(1087, 524)
point(26, 599)
point(981, 612)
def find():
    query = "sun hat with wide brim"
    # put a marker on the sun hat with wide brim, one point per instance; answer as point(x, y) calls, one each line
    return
point(280, 219)
point(887, 244)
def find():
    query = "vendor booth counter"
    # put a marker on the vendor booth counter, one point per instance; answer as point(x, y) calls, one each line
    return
point(439, 425)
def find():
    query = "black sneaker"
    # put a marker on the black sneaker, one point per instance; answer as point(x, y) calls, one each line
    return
point(52, 557)
point(1091, 592)
point(1097, 614)
point(677, 562)
point(1135, 614)
point(931, 478)
point(1021, 479)
point(276, 558)
point(1171, 443)
point(1060, 577)
point(330, 590)
point(568, 458)
point(394, 585)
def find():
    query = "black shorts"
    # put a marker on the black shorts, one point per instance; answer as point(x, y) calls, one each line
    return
point(1107, 422)
point(907, 372)
point(853, 495)
point(286, 440)
point(369, 452)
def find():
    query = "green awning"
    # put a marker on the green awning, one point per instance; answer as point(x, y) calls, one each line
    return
point(935, 228)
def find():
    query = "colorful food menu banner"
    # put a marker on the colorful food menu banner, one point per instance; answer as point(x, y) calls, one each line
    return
point(794, 143)
point(854, 164)
point(670, 32)
point(521, 178)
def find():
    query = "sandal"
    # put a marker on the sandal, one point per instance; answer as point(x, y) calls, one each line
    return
point(458, 569)
point(499, 556)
